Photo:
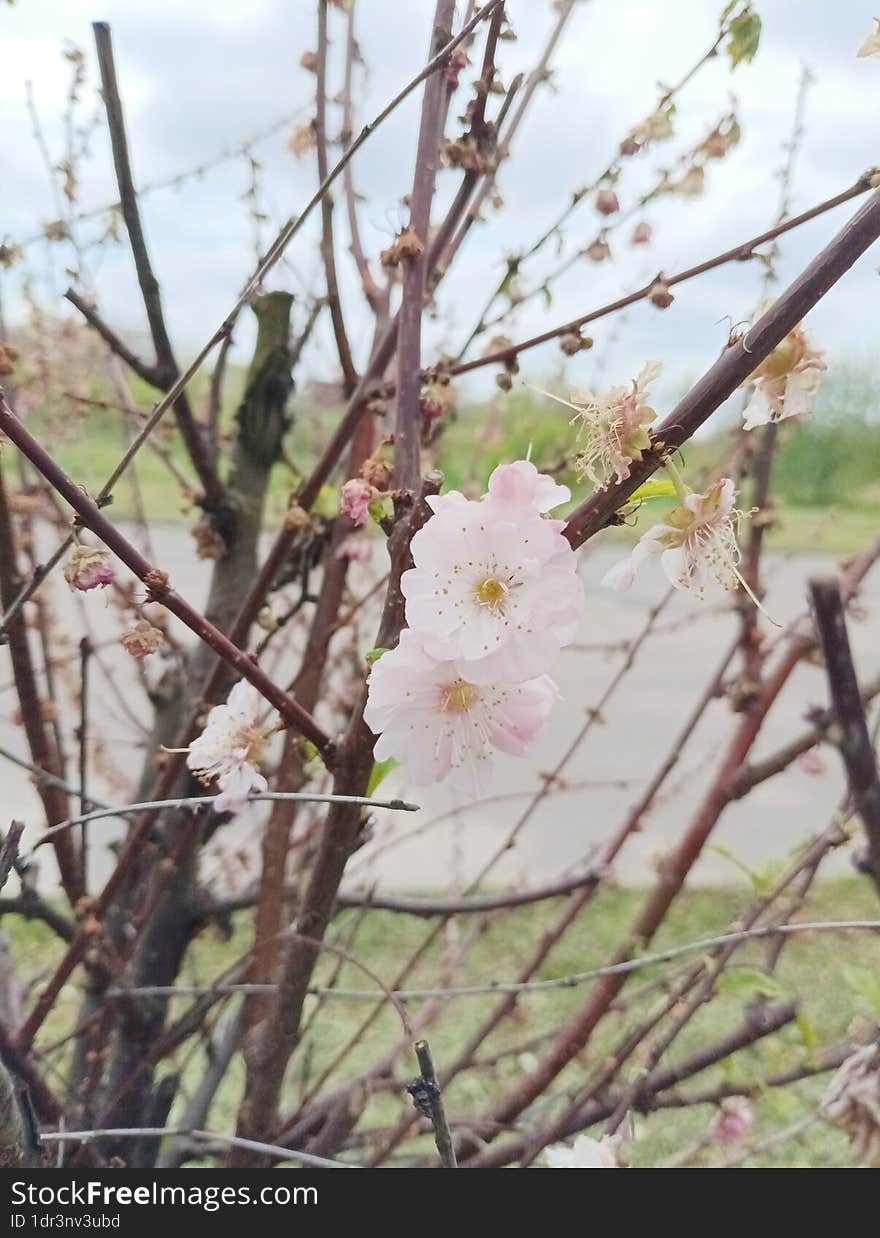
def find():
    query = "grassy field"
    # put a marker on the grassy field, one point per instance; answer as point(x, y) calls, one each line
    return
point(815, 966)
point(826, 477)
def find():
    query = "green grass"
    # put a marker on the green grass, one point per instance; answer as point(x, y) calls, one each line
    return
point(826, 479)
point(811, 966)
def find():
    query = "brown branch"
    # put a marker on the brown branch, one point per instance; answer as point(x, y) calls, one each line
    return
point(40, 744)
point(349, 373)
point(166, 365)
point(149, 373)
point(851, 733)
point(428, 1099)
point(407, 432)
point(9, 850)
point(734, 366)
point(157, 582)
point(738, 253)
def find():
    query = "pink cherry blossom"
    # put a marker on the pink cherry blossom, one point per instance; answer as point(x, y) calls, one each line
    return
point(231, 746)
point(734, 1120)
point(521, 483)
point(88, 568)
point(697, 542)
point(437, 721)
point(357, 495)
point(494, 581)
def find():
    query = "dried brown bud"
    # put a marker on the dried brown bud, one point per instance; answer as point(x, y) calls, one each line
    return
point(503, 380)
point(8, 357)
point(407, 247)
point(573, 342)
point(377, 472)
point(660, 294)
point(142, 639)
point(209, 543)
point(297, 517)
point(309, 62)
point(157, 583)
point(457, 61)
point(629, 146)
point(598, 251)
point(642, 234)
point(302, 139)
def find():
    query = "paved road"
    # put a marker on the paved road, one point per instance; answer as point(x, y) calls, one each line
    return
point(602, 778)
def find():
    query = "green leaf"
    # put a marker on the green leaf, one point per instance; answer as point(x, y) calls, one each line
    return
point(375, 654)
point(807, 1029)
point(379, 771)
point(381, 507)
point(654, 490)
point(745, 35)
point(865, 983)
point(747, 982)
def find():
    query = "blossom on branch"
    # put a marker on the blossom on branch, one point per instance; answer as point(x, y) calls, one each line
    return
point(613, 427)
point(785, 381)
point(494, 581)
point(231, 746)
point(695, 543)
point(439, 718)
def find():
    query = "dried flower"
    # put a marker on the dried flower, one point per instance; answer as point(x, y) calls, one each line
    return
point(230, 748)
point(852, 1102)
point(377, 471)
point(696, 542)
point(309, 62)
point(142, 639)
point(437, 723)
point(613, 427)
point(209, 543)
point(655, 128)
point(407, 246)
point(88, 568)
point(357, 495)
point(691, 185)
point(296, 517)
point(785, 381)
point(871, 45)
point(302, 139)
point(8, 358)
point(437, 396)
point(585, 1153)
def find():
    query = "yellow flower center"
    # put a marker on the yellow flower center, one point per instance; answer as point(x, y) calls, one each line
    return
point(491, 593)
point(459, 697)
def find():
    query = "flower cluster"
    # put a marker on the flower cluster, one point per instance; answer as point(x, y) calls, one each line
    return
point(491, 600)
point(785, 382)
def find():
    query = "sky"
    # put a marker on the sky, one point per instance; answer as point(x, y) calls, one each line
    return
point(200, 77)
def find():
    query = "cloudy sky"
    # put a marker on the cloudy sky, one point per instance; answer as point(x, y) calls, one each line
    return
point(202, 76)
